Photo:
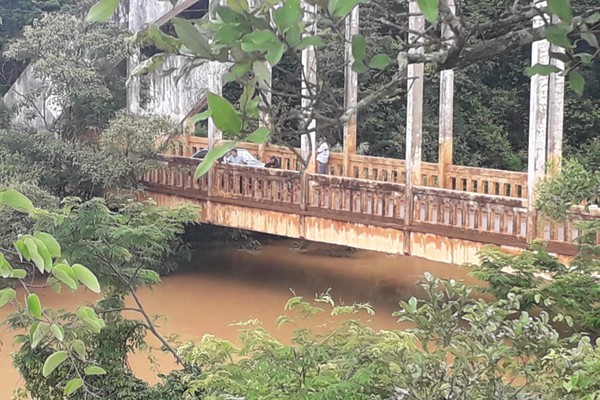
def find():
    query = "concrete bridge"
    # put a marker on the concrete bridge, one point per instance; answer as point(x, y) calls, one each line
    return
point(446, 219)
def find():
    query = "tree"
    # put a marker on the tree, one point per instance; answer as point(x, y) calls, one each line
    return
point(85, 352)
point(249, 39)
point(85, 167)
point(77, 64)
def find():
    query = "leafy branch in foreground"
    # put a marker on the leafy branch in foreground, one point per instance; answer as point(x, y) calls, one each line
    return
point(62, 355)
point(457, 347)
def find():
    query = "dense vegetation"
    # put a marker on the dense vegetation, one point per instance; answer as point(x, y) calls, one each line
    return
point(78, 226)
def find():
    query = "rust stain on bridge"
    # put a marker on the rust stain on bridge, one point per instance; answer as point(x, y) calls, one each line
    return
point(450, 223)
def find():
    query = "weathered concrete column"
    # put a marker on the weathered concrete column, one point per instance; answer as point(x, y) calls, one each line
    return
point(414, 118)
point(538, 124)
point(265, 112)
point(309, 84)
point(350, 90)
point(556, 109)
point(446, 113)
point(133, 86)
point(215, 85)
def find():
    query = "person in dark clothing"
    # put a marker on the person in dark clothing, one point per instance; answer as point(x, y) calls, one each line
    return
point(273, 163)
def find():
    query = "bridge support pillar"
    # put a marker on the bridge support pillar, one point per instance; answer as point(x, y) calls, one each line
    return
point(215, 85)
point(414, 119)
point(309, 85)
point(265, 116)
point(446, 114)
point(350, 91)
point(545, 125)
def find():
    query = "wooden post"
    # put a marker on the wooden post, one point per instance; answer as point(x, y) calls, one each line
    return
point(350, 90)
point(414, 118)
point(538, 124)
point(446, 114)
point(309, 83)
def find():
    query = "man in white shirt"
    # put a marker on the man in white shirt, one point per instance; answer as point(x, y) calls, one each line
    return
point(322, 156)
point(234, 158)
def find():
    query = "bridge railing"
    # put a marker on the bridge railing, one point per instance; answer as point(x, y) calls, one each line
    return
point(493, 219)
point(175, 174)
point(497, 219)
point(460, 178)
point(262, 187)
point(356, 200)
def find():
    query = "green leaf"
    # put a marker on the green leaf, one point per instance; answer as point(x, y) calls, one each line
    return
point(149, 65)
point(89, 317)
point(258, 136)
point(562, 8)
point(557, 34)
point(163, 41)
point(429, 8)
point(359, 48)
point(213, 155)
point(225, 117)
point(19, 273)
point(22, 249)
point(576, 82)
point(541, 69)
point(53, 361)
point(590, 38)
point(51, 243)
point(6, 296)
point(102, 10)
point(306, 42)
point(592, 19)
point(380, 61)
point(238, 6)
point(86, 277)
point(94, 370)
point(38, 331)
point(78, 347)
point(57, 331)
point(16, 200)
point(275, 52)
point(359, 66)
point(35, 255)
point(44, 253)
point(72, 386)
point(34, 306)
point(62, 272)
point(201, 117)
point(288, 15)
point(192, 38)
point(341, 8)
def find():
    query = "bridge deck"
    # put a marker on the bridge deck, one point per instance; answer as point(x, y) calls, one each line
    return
point(371, 214)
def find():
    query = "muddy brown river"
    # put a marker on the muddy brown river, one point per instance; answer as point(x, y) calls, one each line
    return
point(222, 287)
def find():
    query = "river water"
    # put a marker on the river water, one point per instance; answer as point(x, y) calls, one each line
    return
point(222, 287)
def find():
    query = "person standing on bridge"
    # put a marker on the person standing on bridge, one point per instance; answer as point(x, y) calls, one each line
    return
point(322, 156)
point(234, 158)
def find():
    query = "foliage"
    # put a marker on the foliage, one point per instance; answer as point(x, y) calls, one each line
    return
point(251, 40)
point(85, 353)
point(85, 167)
point(474, 350)
point(566, 292)
point(76, 64)
point(134, 238)
point(572, 186)
point(15, 15)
